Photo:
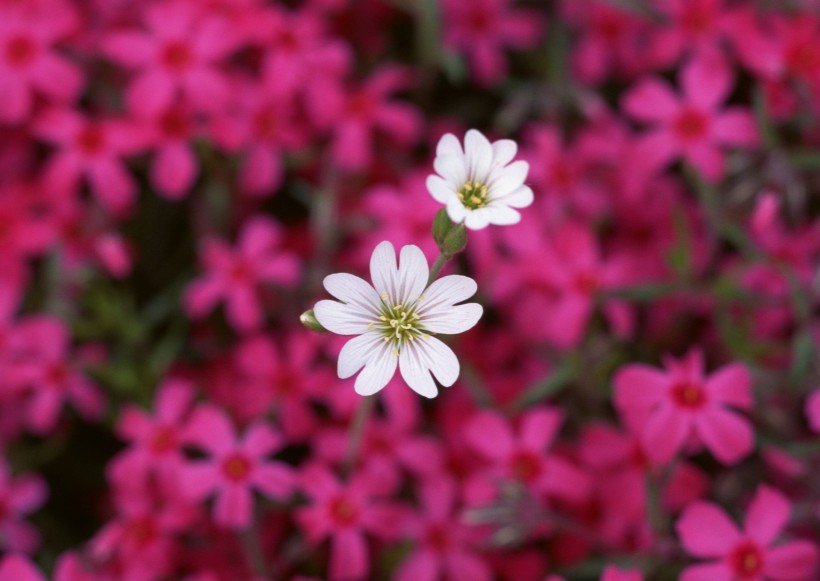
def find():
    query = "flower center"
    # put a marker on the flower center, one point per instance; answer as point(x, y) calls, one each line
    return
point(236, 467)
point(691, 125)
point(20, 51)
point(525, 467)
point(746, 561)
point(688, 395)
point(399, 324)
point(343, 511)
point(474, 195)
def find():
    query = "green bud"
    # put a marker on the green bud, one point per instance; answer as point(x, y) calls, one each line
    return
point(308, 319)
point(451, 238)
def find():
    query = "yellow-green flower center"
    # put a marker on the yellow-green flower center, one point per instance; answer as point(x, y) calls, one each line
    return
point(399, 324)
point(474, 195)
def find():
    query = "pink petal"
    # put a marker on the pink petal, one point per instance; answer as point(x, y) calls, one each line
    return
point(174, 170)
point(150, 93)
point(18, 568)
point(243, 310)
point(276, 480)
point(198, 479)
point(651, 101)
point(206, 89)
point(15, 100)
point(706, 531)
point(707, 572)
point(707, 159)
point(731, 384)
point(260, 440)
point(201, 296)
point(462, 566)
point(565, 480)
point(665, 433)
point(210, 429)
point(234, 506)
point(793, 561)
point(706, 82)
point(639, 386)
point(352, 145)
point(174, 399)
point(767, 515)
point(728, 436)
point(422, 565)
point(490, 435)
point(129, 49)
point(113, 185)
point(348, 556)
point(262, 171)
point(539, 427)
point(58, 78)
point(736, 127)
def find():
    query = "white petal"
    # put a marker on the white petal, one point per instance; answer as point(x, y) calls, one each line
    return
point(358, 352)
point(453, 169)
point(378, 371)
point(449, 145)
point(440, 189)
point(445, 292)
point(508, 179)
point(520, 198)
point(415, 372)
point(477, 219)
point(353, 290)
point(434, 355)
point(456, 211)
point(504, 216)
point(341, 318)
point(479, 153)
point(504, 151)
point(383, 269)
point(454, 319)
point(413, 274)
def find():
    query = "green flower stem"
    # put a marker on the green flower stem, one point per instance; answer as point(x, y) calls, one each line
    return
point(356, 433)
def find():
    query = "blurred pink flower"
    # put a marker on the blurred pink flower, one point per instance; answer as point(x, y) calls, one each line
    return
point(171, 132)
point(234, 467)
point(19, 496)
point(179, 53)
point(813, 410)
point(483, 29)
point(707, 532)
point(691, 126)
point(672, 408)
point(235, 276)
point(345, 513)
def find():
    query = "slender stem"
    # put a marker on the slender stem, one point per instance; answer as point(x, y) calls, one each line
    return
point(356, 433)
point(439, 263)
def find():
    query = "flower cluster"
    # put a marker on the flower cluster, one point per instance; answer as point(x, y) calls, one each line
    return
point(586, 233)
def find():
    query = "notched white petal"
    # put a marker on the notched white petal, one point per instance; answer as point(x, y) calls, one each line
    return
point(351, 289)
point(415, 372)
point(341, 318)
point(413, 274)
point(447, 290)
point(357, 352)
point(377, 372)
point(383, 269)
point(454, 319)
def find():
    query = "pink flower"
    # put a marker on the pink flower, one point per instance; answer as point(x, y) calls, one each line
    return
point(234, 467)
point(179, 52)
point(174, 167)
point(522, 455)
point(672, 408)
point(444, 548)
point(29, 64)
point(155, 442)
point(691, 126)
point(94, 149)
point(482, 29)
point(19, 568)
point(707, 532)
point(19, 496)
point(235, 275)
point(345, 512)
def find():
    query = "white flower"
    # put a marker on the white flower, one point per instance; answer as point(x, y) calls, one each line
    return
point(395, 321)
point(478, 184)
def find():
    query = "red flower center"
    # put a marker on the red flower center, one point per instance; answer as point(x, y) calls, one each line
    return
point(236, 467)
point(343, 511)
point(57, 375)
point(142, 530)
point(746, 561)
point(525, 466)
point(437, 537)
point(20, 51)
point(479, 21)
point(586, 283)
point(266, 123)
point(803, 58)
point(91, 140)
point(695, 20)
point(163, 440)
point(688, 395)
point(241, 271)
point(691, 125)
point(175, 123)
point(177, 55)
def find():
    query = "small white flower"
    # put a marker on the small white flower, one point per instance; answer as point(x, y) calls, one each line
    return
point(478, 185)
point(395, 321)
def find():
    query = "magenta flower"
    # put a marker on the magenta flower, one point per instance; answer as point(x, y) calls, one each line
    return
point(179, 52)
point(235, 275)
point(94, 149)
point(522, 455)
point(15, 567)
point(345, 512)
point(444, 548)
point(29, 64)
point(174, 167)
point(680, 405)
point(19, 496)
point(692, 126)
point(483, 29)
point(156, 442)
point(234, 467)
point(706, 531)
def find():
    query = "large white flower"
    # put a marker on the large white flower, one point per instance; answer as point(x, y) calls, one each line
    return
point(396, 320)
point(478, 184)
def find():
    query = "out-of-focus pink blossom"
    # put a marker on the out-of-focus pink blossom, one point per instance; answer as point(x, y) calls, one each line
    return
point(19, 496)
